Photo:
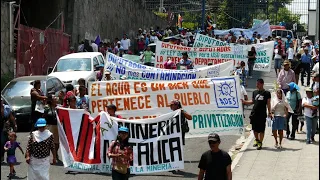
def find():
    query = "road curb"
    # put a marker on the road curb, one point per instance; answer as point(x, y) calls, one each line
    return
point(240, 153)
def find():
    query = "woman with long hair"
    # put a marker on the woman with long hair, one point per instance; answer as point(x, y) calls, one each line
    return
point(51, 118)
point(280, 109)
point(122, 155)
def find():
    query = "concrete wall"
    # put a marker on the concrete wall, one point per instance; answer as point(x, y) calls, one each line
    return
point(111, 18)
point(7, 59)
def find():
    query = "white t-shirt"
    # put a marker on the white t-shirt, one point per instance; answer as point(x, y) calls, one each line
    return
point(243, 92)
point(125, 43)
point(290, 53)
point(307, 111)
point(94, 47)
point(316, 67)
point(276, 55)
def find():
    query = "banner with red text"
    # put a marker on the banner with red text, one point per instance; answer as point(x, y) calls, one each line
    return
point(119, 67)
point(214, 103)
point(84, 141)
point(264, 51)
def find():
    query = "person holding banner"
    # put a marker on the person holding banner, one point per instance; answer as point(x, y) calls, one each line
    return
point(111, 109)
point(175, 105)
point(122, 155)
point(185, 62)
point(147, 55)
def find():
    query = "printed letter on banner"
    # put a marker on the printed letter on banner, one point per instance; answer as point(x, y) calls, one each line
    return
point(156, 143)
point(123, 67)
point(214, 103)
point(264, 51)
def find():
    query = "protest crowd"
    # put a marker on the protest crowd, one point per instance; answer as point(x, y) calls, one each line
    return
point(284, 107)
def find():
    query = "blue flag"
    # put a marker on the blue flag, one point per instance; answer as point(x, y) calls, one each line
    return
point(98, 40)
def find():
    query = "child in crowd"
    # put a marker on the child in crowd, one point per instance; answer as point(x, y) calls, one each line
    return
point(10, 148)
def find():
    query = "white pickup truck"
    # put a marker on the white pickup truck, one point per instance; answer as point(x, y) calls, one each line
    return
point(70, 68)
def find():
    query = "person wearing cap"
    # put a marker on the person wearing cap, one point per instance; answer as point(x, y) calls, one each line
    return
point(310, 116)
point(308, 45)
point(125, 43)
point(286, 76)
point(295, 101)
point(306, 63)
point(288, 41)
point(215, 163)
point(261, 99)
point(185, 62)
point(40, 143)
point(107, 75)
point(99, 75)
point(116, 48)
point(122, 155)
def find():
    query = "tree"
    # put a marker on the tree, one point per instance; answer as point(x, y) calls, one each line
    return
point(222, 18)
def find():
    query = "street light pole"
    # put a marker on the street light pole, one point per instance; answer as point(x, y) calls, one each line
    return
point(203, 12)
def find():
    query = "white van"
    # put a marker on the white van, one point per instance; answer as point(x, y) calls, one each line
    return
point(70, 68)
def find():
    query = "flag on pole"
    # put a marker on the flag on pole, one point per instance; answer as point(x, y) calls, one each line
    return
point(98, 40)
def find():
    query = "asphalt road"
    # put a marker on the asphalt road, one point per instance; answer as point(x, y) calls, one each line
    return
point(192, 152)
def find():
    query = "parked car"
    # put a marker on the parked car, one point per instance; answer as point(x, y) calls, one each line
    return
point(17, 95)
point(70, 68)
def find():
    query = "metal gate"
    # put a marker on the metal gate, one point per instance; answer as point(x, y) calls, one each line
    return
point(36, 49)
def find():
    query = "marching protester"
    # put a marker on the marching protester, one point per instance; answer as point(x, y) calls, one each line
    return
point(61, 96)
point(286, 76)
point(261, 99)
point(294, 99)
point(69, 92)
point(99, 75)
point(7, 122)
point(125, 43)
point(51, 119)
point(306, 62)
point(290, 52)
point(280, 109)
point(278, 52)
point(40, 143)
point(169, 64)
point(147, 56)
point(251, 59)
point(215, 163)
point(310, 115)
point(72, 102)
point(175, 105)
point(107, 75)
point(122, 155)
point(87, 47)
point(10, 147)
point(82, 99)
point(82, 82)
point(242, 73)
point(185, 62)
point(37, 102)
point(111, 109)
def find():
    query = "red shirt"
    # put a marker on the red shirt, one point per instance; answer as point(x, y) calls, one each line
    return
point(126, 151)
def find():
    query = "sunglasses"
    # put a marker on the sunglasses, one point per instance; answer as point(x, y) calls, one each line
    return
point(213, 142)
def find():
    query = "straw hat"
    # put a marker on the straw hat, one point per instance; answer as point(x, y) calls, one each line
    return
point(286, 62)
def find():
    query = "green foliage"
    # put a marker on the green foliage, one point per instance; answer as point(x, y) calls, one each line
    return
point(5, 79)
point(222, 18)
point(161, 15)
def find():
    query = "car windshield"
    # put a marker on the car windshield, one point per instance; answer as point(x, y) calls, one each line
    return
point(73, 64)
point(20, 88)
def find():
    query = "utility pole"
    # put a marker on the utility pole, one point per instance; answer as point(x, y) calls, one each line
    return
point(203, 12)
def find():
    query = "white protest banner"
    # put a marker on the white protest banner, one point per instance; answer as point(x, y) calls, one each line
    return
point(201, 56)
point(264, 51)
point(214, 103)
point(156, 143)
point(119, 67)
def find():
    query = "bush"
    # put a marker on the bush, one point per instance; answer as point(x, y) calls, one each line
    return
point(5, 79)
